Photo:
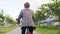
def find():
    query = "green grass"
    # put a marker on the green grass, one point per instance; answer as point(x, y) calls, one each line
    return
point(6, 29)
point(46, 30)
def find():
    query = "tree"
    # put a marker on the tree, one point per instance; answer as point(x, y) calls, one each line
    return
point(5, 18)
point(2, 18)
point(10, 20)
point(42, 13)
point(54, 7)
point(39, 16)
point(51, 9)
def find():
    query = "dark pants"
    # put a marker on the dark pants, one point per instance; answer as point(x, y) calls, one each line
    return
point(30, 28)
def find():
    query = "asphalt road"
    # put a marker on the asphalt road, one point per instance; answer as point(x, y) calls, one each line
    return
point(17, 31)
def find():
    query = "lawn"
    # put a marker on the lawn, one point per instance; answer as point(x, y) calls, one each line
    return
point(6, 29)
point(46, 30)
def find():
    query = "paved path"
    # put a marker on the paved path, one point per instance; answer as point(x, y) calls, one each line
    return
point(17, 31)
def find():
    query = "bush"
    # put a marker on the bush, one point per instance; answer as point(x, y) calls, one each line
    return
point(2, 23)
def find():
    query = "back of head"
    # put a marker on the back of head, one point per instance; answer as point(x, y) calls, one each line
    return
point(27, 5)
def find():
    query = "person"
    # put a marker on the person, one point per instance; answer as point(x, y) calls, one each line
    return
point(27, 16)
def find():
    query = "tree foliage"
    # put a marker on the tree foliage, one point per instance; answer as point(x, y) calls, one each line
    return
point(49, 9)
point(10, 20)
point(39, 16)
point(2, 18)
point(6, 18)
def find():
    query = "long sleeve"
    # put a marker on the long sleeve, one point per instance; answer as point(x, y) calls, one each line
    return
point(33, 16)
point(19, 17)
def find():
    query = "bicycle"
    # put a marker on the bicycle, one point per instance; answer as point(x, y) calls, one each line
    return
point(27, 31)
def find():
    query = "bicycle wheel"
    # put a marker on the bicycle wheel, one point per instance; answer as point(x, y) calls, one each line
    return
point(29, 33)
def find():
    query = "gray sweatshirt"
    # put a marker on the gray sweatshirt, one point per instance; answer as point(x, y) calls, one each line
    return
point(26, 15)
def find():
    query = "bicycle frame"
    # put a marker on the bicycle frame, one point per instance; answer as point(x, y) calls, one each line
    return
point(27, 31)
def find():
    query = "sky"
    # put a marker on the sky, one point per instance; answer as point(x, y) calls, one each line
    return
point(13, 7)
